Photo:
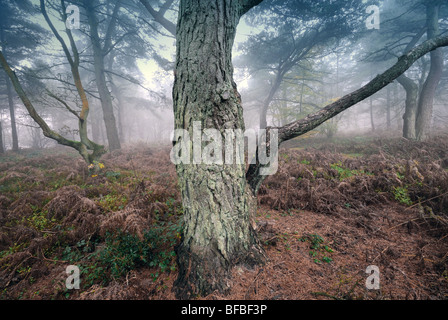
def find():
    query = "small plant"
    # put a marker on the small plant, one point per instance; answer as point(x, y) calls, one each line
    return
point(13, 249)
point(38, 220)
point(401, 194)
point(344, 173)
point(113, 203)
point(95, 168)
point(113, 175)
point(319, 249)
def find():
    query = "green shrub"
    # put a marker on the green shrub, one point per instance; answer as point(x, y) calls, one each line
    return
point(124, 252)
point(401, 194)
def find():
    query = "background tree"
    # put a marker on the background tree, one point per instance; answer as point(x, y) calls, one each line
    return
point(297, 30)
point(404, 26)
point(426, 99)
point(100, 50)
point(18, 38)
point(85, 144)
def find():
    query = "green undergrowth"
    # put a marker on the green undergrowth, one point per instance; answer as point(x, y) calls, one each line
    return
point(30, 180)
point(121, 252)
point(397, 182)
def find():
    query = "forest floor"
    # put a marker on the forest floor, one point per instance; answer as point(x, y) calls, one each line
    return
point(332, 210)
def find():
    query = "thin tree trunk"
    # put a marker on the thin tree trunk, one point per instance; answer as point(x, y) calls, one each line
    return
point(15, 139)
point(217, 204)
point(410, 113)
point(426, 101)
point(372, 123)
point(100, 76)
point(95, 124)
point(267, 102)
point(12, 113)
point(121, 112)
point(389, 107)
point(397, 108)
point(2, 148)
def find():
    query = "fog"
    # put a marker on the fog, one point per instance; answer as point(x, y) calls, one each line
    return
point(290, 60)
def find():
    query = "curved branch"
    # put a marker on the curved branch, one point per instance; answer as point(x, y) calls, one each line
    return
point(82, 147)
point(300, 127)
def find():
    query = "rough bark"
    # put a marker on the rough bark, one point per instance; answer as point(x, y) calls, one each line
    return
point(426, 99)
point(217, 203)
point(100, 77)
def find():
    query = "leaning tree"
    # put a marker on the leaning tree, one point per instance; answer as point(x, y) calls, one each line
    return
point(88, 149)
point(219, 199)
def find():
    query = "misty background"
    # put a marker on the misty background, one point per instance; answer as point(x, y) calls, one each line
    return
point(290, 61)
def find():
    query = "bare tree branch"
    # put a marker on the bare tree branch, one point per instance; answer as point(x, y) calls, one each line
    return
point(159, 16)
point(49, 93)
point(300, 127)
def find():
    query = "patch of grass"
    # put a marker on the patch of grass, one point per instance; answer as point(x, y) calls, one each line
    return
point(318, 249)
point(113, 202)
point(344, 173)
point(16, 247)
point(38, 220)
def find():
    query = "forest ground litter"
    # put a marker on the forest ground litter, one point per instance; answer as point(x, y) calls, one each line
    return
point(332, 209)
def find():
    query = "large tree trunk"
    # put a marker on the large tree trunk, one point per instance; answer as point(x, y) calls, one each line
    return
point(100, 77)
point(217, 204)
point(426, 100)
point(410, 113)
